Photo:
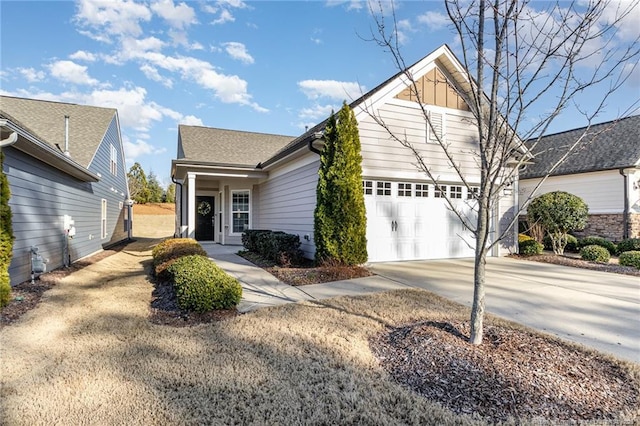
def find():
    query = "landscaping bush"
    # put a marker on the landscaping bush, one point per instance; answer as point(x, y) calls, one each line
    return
point(279, 247)
point(630, 258)
point(173, 248)
point(629, 244)
point(250, 239)
point(523, 237)
point(202, 286)
point(595, 253)
point(597, 241)
point(572, 243)
point(5, 288)
point(530, 247)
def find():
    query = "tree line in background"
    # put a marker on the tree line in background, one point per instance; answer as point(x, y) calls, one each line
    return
point(147, 189)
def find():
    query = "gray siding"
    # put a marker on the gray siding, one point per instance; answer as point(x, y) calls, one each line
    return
point(287, 202)
point(41, 195)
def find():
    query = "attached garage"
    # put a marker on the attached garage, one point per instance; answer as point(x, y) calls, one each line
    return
point(412, 220)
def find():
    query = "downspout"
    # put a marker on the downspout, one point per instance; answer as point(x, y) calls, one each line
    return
point(175, 200)
point(625, 213)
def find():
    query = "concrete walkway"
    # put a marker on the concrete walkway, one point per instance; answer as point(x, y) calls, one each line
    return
point(600, 310)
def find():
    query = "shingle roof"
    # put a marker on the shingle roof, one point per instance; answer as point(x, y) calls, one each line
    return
point(607, 146)
point(45, 120)
point(221, 146)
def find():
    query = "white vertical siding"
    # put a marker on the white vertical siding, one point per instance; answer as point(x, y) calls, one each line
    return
point(287, 200)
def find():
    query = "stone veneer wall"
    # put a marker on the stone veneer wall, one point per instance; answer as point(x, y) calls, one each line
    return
point(611, 226)
point(634, 225)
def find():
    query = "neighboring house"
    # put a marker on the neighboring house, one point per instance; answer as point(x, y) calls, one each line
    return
point(604, 170)
point(66, 171)
point(229, 181)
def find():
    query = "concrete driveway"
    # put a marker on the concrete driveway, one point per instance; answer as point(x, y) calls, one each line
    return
point(598, 309)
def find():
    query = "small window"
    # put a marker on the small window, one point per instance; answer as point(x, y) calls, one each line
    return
point(473, 192)
point(113, 162)
point(383, 188)
point(367, 187)
point(455, 192)
point(103, 222)
point(422, 190)
point(440, 191)
point(404, 190)
point(240, 211)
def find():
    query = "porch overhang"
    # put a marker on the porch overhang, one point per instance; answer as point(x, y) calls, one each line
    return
point(181, 168)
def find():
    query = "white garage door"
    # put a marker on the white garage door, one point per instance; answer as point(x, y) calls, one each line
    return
point(409, 221)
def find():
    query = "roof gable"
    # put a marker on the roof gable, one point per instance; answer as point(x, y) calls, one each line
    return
point(46, 121)
point(229, 147)
point(607, 146)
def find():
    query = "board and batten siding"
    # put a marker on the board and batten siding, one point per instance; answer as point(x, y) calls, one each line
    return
point(385, 157)
point(287, 200)
point(41, 195)
point(602, 191)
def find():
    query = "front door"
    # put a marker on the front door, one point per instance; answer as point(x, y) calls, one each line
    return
point(205, 218)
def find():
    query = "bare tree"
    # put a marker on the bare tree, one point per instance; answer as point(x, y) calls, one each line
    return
point(523, 66)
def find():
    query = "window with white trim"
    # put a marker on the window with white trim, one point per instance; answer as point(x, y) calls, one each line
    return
point(367, 187)
point(404, 190)
point(383, 188)
point(103, 220)
point(473, 192)
point(240, 211)
point(422, 190)
point(436, 129)
point(455, 191)
point(113, 161)
point(440, 191)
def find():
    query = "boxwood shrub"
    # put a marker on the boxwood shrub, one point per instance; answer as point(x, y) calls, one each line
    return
point(202, 286)
point(530, 247)
point(279, 247)
point(597, 241)
point(167, 251)
point(629, 244)
point(250, 238)
point(630, 258)
point(595, 253)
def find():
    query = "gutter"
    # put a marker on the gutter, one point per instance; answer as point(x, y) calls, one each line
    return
point(625, 213)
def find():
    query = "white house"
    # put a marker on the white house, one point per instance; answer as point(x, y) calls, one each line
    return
point(604, 170)
point(229, 181)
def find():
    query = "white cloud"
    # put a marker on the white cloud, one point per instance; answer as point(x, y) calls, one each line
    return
point(225, 16)
point(316, 40)
point(239, 52)
point(434, 20)
point(351, 4)
point(191, 120)
point(139, 148)
point(338, 90)
point(317, 112)
point(152, 74)
point(180, 16)
point(71, 72)
point(31, 75)
point(81, 55)
point(115, 17)
point(236, 4)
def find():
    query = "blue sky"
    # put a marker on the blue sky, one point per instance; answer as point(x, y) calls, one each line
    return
point(260, 66)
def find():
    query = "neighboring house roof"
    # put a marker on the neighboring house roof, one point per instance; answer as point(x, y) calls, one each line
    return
point(220, 146)
point(606, 146)
point(46, 121)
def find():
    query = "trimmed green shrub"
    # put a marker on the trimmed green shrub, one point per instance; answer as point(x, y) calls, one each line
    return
point(279, 247)
point(530, 247)
point(5, 288)
point(250, 238)
point(202, 286)
point(629, 244)
point(572, 243)
point(523, 237)
point(595, 253)
point(6, 236)
point(173, 248)
point(630, 258)
point(558, 213)
point(597, 241)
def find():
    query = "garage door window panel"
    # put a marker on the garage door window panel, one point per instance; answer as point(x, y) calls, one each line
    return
point(383, 189)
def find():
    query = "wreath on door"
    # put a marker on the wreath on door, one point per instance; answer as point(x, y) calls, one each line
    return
point(204, 208)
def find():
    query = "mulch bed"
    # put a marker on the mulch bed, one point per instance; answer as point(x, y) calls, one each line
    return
point(306, 272)
point(579, 263)
point(26, 296)
point(513, 373)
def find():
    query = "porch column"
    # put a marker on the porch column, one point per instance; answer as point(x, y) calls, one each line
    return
point(191, 205)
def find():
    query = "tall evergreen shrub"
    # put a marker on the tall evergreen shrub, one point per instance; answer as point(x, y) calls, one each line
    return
point(6, 236)
point(340, 223)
